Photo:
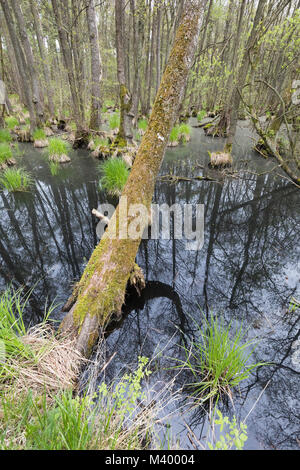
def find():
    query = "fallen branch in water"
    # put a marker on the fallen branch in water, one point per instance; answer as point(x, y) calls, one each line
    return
point(175, 178)
point(100, 216)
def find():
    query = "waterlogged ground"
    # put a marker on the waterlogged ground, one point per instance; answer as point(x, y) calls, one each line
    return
point(248, 270)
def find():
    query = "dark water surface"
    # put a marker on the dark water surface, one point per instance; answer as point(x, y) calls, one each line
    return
point(248, 270)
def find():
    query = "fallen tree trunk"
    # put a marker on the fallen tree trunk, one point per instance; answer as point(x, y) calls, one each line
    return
point(101, 290)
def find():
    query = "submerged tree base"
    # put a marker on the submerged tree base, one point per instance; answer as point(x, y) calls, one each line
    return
point(220, 159)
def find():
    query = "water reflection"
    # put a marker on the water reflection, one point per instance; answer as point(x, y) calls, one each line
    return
point(247, 270)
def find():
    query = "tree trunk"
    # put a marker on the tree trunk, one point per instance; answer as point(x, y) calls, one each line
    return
point(101, 290)
point(32, 71)
point(46, 70)
point(96, 68)
point(125, 96)
point(21, 63)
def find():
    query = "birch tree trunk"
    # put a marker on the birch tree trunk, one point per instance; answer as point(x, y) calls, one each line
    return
point(43, 54)
point(125, 96)
point(96, 68)
point(101, 290)
point(32, 70)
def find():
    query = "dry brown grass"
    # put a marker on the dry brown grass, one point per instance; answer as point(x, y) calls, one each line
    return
point(54, 366)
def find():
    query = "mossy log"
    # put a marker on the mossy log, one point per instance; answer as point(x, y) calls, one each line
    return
point(101, 290)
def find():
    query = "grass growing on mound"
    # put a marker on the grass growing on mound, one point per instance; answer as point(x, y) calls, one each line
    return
point(174, 135)
point(217, 359)
point(39, 134)
point(5, 136)
point(5, 152)
point(114, 121)
point(115, 175)
point(16, 179)
point(58, 147)
point(185, 129)
point(11, 122)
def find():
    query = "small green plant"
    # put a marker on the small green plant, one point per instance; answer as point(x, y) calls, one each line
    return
point(11, 122)
point(201, 115)
point(58, 147)
point(174, 135)
point(5, 152)
point(235, 438)
point(5, 136)
point(115, 175)
point(114, 121)
point(218, 359)
point(142, 124)
point(16, 179)
point(39, 134)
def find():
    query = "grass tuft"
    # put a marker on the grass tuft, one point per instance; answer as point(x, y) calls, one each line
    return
point(174, 135)
point(58, 147)
point(114, 121)
point(16, 180)
point(5, 136)
point(39, 134)
point(5, 152)
point(142, 124)
point(11, 122)
point(217, 359)
point(115, 175)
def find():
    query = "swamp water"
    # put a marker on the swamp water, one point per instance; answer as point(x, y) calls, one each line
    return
point(247, 271)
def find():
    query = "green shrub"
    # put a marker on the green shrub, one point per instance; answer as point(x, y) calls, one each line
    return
point(235, 437)
point(16, 179)
point(115, 175)
point(5, 136)
point(58, 147)
point(185, 129)
point(114, 121)
point(217, 359)
point(5, 152)
point(39, 134)
point(11, 122)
